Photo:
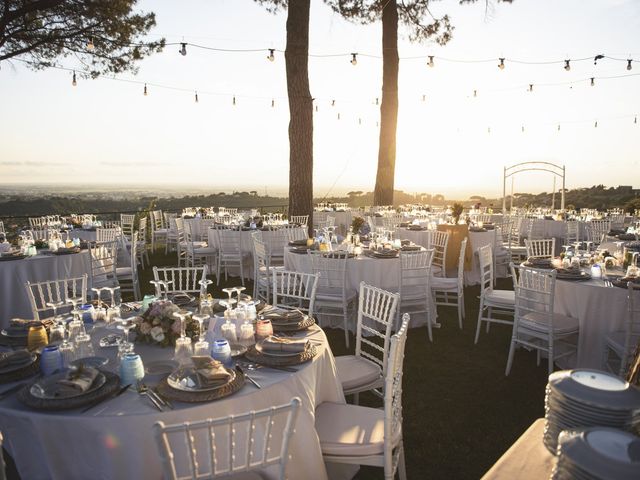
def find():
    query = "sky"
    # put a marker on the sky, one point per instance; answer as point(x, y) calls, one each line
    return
point(450, 142)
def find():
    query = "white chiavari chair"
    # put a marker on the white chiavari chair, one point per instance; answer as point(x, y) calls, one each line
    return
point(104, 257)
point(449, 292)
point(369, 436)
point(182, 279)
point(294, 290)
point(597, 229)
point(107, 234)
point(230, 446)
point(128, 276)
point(143, 253)
point(415, 286)
point(573, 232)
point(127, 222)
point(439, 242)
point(2, 230)
point(262, 269)
point(496, 306)
point(197, 252)
point(54, 291)
point(621, 344)
point(535, 324)
point(301, 220)
point(333, 298)
point(366, 369)
point(158, 229)
point(172, 231)
point(230, 254)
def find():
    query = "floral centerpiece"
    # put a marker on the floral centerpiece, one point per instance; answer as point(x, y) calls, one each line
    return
point(158, 325)
point(356, 225)
point(456, 212)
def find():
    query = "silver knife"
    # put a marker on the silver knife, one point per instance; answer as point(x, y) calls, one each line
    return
point(248, 377)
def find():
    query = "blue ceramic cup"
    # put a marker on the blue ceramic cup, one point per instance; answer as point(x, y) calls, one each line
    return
point(50, 360)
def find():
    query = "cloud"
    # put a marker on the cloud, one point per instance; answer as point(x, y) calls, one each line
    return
point(32, 164)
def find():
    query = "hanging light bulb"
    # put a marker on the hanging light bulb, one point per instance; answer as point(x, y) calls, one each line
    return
point(145, 89)
point(523, 129)
point(635, 120)
point(316, 108)
point(273, 102)
point(90, 45)
point(430, 62)
point(234, 100)
point(558, 127)
point(272, 54)
point(73, 82)
point(593, 81)
point(359, 121)
point(354, 59)
point(424, 98)
point(596, 58)
point(531, 87)
point(475, 93)
point(196, 96)
point(338, 115)
point(333, 103)
point(183, 49)
point(501, 65)
point(567, 67)
point(377, 101)
point(629, 67)
point(488, 129)
point(595, 125)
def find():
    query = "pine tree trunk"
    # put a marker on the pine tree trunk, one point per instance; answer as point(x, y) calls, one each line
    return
point(300, 110)
point(383, 193)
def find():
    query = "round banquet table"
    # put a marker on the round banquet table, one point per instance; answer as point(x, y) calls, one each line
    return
point(599, 310)
point(114, 440)
point(14, 301)
point(379, 272)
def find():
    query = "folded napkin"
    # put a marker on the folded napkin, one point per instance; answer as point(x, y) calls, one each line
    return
point(19, 326)
point(209, 371)
point(277, 344)
point(5, 247)
point(76, 381)
point(15, 359)
point(282, 315)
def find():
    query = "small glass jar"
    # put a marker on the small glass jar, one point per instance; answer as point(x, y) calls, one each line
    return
point(221, 351)
point(131, 369)
point(37, 337)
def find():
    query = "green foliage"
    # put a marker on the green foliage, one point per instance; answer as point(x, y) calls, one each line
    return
point(106, 36)
point(632, 205)
point(456, 211)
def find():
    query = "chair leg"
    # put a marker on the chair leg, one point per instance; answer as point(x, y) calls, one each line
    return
point(402, 471)
point(479, 320)
point(512, 350)
point(538, 357)
point(460, 310)
point(550, 358)
point(345, 311)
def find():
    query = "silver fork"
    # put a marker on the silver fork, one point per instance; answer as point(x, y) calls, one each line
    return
point(153, 393)
point(144, 391)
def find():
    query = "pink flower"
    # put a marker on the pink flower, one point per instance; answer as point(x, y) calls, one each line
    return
point(157, 334)
point(145, 329)
point(175, 328)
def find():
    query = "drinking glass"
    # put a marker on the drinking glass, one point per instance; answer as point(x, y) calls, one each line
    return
point(264, 328)
point(84, 347)
point(125, 324)
point(183, 351)
point(113, 311)
point(221, 351)
point(100, 314)
point(76, 327)
point(200, 318)
point(58, 331)
point(37, 337)
point(229, 291)
point(67, 352)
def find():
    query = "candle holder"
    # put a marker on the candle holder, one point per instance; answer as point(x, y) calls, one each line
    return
point(264, 328)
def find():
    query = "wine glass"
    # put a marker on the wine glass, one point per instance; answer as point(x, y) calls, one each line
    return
point(54, 306)
point(239, 291)
point(183, 350)
point(165, 290)
point(201, 347)
point(125, 324)
point(229, 291)
point(157, 286)
point(100, 309)
point(113, 311)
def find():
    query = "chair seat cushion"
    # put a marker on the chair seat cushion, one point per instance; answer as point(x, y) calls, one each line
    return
point(444, 283)
point(123, 272)
point(351, 429)
point(356, 371)
point(538, 322)
point(327, 294)
point(505, 297)
point(615, 341)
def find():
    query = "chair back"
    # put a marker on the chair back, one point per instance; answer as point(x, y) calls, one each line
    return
point(2, 230)
point(230, 242)
point(534, 293)
point(597, 229)
point(127, 223)
point(438, 242)
point(54, 291)
point(157, 220)
point(535, 230)
point(37, 222)
point(541, 248)
point(393, 398)
point(331, 268)
point(142, 229)
point(415, 273)
point(573, 232)
point(104, 257)
point(376, 313)
point(184, 279)
point(485, 257)
point(294, 290)
point(296, 233)
point(461, 255)
point(212, 448)
point(301, 220)
point(107, 234)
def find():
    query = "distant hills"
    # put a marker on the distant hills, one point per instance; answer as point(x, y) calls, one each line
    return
point(29, 204)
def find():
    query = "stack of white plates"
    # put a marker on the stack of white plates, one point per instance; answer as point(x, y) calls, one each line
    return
point(588, 398)
point(597, 453)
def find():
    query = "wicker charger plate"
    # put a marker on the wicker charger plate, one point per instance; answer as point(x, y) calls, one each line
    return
point(22, 373)
point(294, 327)
point(204, 396)
point(111, 385)
point(270, 360)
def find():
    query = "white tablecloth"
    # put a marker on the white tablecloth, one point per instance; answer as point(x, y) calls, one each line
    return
point(599, 310)
point(115, 440)
point(14, 301)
